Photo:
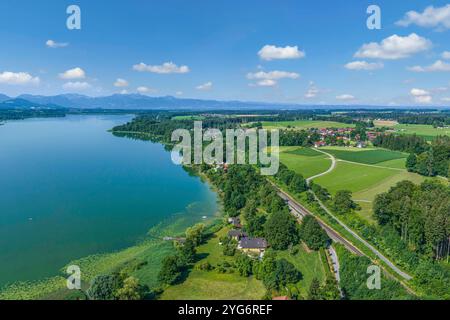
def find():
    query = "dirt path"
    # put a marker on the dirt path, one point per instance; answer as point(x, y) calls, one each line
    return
point(333, 166)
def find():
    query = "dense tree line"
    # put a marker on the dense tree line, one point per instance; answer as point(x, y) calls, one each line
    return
point(174, 267)
point(420, 214)
point(403, 143)
point(31, 113)
point(313, 235)
point(426, 159)
point(434, 161)
point(354, 278)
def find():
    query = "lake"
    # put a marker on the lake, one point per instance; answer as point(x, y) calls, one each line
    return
point(69, 189)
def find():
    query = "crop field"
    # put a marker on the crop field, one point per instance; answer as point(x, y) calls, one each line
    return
point(354, 177)
point(365, 156)
point(198, 118)
point(426, 131)
point(304, 124)
point(304, 161)
point(364, 172)
point(205, 285)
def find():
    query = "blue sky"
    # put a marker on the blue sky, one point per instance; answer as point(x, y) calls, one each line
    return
point(216, 48)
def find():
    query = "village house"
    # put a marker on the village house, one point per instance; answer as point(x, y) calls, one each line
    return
point(361, 144)
point(319, 144)
point(254, 246)
point(235, 221)
point(237, 234)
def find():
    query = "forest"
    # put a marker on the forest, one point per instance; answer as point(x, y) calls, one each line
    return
point(426, 159)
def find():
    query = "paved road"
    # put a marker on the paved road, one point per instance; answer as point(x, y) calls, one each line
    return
point(299, 212)
point(333, 165)
point(368, 245)
point(335, 267)
point(404, 275)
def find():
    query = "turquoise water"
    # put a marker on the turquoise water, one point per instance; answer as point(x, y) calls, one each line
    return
point(69, 188)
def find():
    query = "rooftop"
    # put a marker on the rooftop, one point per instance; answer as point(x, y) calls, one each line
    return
point(253, 243)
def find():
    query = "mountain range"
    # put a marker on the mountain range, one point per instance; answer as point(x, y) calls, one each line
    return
point(126, 102)
point(143, 102)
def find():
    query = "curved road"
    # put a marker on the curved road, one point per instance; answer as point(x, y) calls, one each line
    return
point(368, 245)
point(333, 166)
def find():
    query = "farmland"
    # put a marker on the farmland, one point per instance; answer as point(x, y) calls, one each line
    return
point(304, 124)
point(304, 161)
point(364, 172)
point(426, 131)
point(365, 156)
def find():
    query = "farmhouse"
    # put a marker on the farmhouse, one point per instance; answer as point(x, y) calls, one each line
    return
point(235, 221)
point(253, 245)
point(237, 234)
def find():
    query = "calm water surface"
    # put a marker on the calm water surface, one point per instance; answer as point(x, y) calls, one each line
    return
point(69, 188)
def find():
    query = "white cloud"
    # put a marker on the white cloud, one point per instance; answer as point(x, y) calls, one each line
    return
point(272, 75)
point(18, 78)
point(345, 97)
point(53, 44)
point(419, 92)
point(431, 17)
point(423, 99)
point(76, 86)
point(75, 73)
point(364, 65)
point(121, 83)
point(269, 79)
point(179, 93)
point(438, 66)
point(394, 47)
point(421, 96)
point(265, 83)
point(124, 91)
point(445, 55)
point(145, 90)
point(165, 68)
point(312, 92)
point(270, 52)
point(205, 87)
point(446, 99)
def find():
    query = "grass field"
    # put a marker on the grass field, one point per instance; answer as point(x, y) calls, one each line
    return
point(199, 118)
point(304, 124)
point(370, 171)
point(425, 131)
point(365, 156)
point(354, 177)
point(309, 264)
point(304, 161)
point(206, 285)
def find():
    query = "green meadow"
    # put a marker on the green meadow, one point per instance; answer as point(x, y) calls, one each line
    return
point(365, 156)
point(189, 117)
point(310, 265)
point(304, 124)
point(206, 285)
point(426, 131)
point(304, 161)
point(364, 172)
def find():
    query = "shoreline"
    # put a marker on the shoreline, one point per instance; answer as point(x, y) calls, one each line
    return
point(108, 262)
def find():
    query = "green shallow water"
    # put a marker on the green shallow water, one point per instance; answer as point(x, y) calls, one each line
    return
point(69, 188)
